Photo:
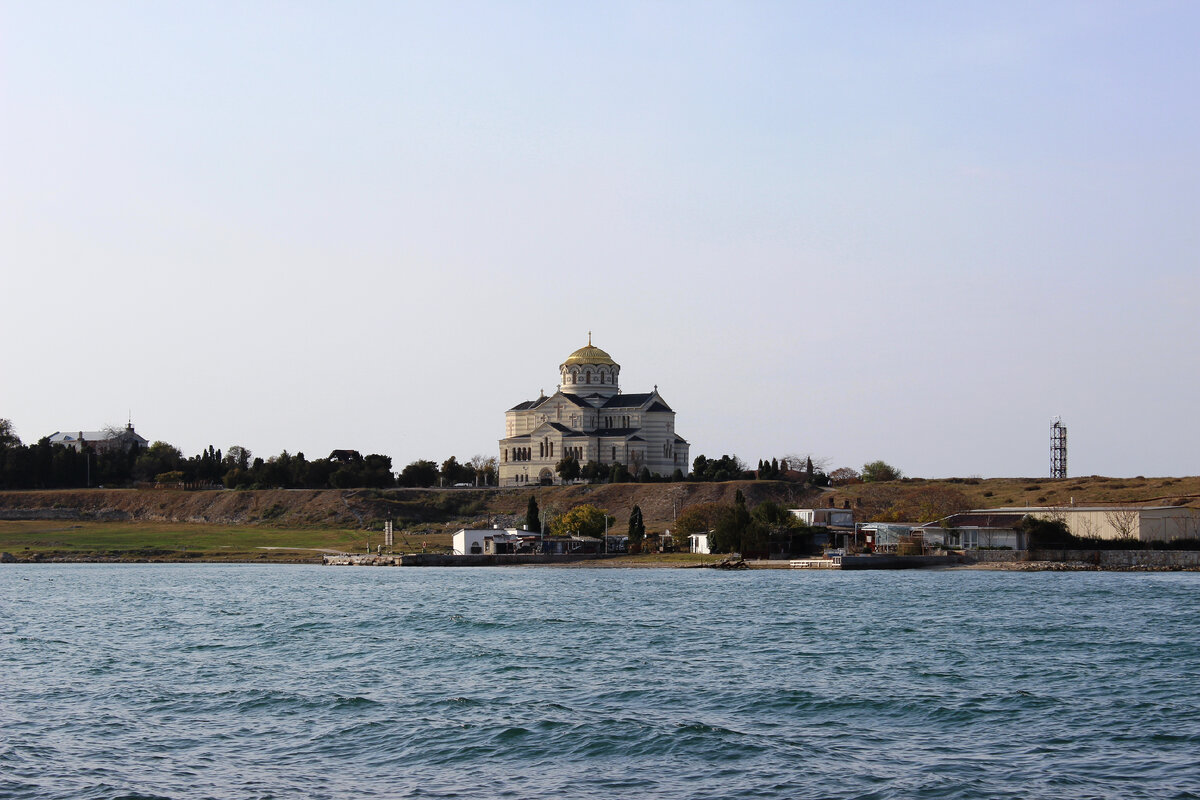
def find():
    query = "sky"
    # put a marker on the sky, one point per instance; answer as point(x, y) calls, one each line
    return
point(913, 232)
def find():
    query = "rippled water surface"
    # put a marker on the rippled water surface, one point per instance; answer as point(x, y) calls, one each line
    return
point(215, 681)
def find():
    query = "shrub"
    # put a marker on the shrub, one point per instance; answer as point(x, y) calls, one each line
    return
point(1047, 534)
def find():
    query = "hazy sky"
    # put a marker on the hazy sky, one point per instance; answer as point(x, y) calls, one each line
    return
point(908, 231)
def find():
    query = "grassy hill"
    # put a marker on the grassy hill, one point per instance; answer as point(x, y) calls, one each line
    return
point(905, 500)
point(298, 524)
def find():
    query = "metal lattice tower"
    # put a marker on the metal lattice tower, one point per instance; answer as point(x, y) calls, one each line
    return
point(1058, 448)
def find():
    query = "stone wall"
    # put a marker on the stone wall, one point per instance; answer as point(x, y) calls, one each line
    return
point(441, 560)
point(1105, 559)
point(1108, 559)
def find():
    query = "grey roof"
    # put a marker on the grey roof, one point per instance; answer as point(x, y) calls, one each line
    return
point(579, 401)
point(61, 437)
point(1052, 509)
point(528, 404)
point(659, 405)
point(564, 430)
point(974, 520)
point(628, 400)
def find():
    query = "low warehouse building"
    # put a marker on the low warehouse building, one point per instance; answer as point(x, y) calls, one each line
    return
point(1142, 523)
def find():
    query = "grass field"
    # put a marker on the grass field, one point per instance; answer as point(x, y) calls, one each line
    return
point(179, 541)
point(143, 541)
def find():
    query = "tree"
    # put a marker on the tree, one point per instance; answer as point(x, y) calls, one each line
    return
point(485, 469)
point(533, 520)
point(1124, 521)
point(879, 471)
point(237, 478)
point(618, 473)
point(454, 473)
point(773, 515)
point(843, 476)
point(376, 471)
point(584, 520)
point(725, 468)
point(637, 526)
point(8, 435)
point(593, 472)
point(730, 530)
point(701, 518)
point(420, 473)
point(1047, 534)
point(236, 457)
point(568, 468)
point(158, 458)
point(800, 461)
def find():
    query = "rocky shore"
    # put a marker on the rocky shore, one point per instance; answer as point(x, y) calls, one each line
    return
point(1075, 566)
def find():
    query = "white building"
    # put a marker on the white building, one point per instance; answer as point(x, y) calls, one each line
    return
point(699, 543)
point(590, 419)
point(100, 441)
point(828, 517)
point(469, 541)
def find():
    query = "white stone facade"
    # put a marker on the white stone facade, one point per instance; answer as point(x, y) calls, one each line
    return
point(589, 418)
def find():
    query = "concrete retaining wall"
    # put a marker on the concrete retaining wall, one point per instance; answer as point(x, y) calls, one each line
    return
point(1158, 559)
point(997, 556)
point(898, 562)
point(437, 560)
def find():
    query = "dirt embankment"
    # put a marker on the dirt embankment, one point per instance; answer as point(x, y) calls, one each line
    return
point(442, 509)
point(363, 508)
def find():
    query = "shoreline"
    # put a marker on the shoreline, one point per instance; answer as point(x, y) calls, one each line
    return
point(623, 563)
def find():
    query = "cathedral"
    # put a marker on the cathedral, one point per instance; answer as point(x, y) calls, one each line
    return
point(589, 418)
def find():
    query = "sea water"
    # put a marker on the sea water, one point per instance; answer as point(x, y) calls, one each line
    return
point(234, 681)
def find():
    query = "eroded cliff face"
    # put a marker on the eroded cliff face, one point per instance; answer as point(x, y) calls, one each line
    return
point(368, 507)
point(303, 507)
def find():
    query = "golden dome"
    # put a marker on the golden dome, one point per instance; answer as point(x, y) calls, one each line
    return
point(590, 355)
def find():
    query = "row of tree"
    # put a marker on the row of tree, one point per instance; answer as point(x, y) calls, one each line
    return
point(584, 520)
point(731, 468)
point(50, 466)
point(47, 465)
point(569, 469)
point(733, 527)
